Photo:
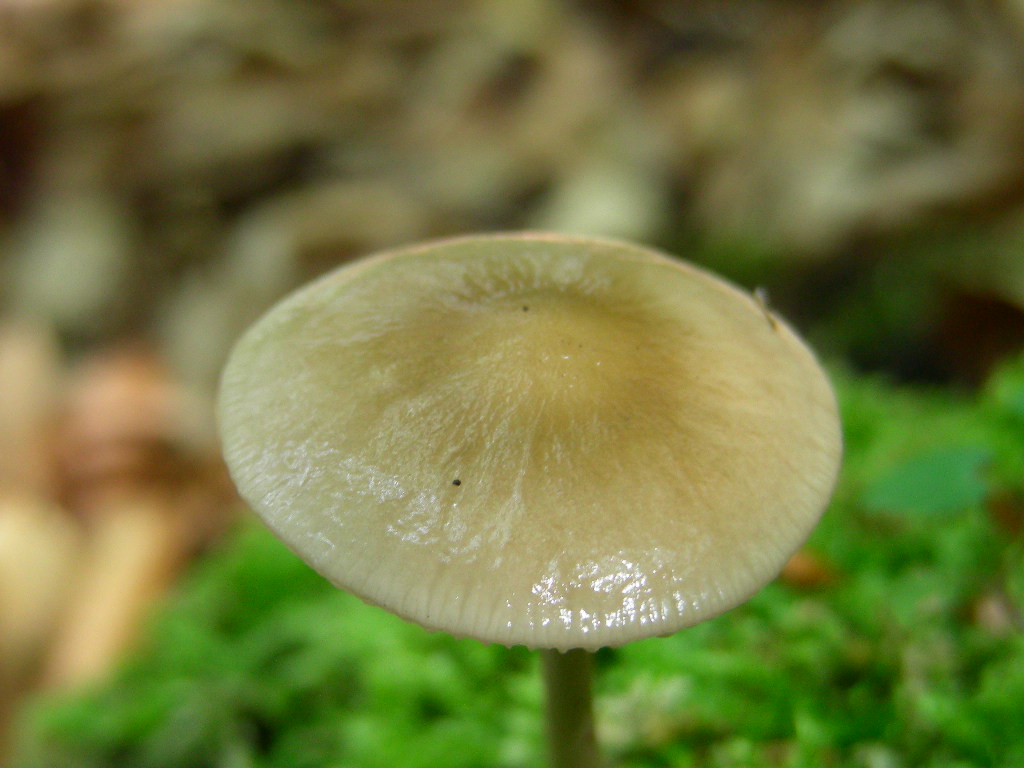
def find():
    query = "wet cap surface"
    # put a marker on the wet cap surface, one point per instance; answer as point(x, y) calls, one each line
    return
point(532, 440)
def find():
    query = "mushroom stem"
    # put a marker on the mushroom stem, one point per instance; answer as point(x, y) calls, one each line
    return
point(570, 708)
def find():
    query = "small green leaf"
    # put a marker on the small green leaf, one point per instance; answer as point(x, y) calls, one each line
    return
point(939, 482)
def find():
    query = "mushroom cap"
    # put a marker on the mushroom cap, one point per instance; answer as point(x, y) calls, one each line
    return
point(532, 439)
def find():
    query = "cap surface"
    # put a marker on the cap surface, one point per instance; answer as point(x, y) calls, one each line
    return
point(531, 439)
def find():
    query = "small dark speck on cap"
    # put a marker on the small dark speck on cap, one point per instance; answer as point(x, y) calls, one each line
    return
point(525, 308)
point(456, 481)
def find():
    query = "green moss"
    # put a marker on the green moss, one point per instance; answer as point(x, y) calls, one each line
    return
point(257, 662)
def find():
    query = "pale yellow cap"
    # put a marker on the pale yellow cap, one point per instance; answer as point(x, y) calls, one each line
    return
point(531, 439)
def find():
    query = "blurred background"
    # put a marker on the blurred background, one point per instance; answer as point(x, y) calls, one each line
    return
point(171, 168)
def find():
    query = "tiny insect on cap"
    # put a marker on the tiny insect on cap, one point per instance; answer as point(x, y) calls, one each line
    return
point(532, 439)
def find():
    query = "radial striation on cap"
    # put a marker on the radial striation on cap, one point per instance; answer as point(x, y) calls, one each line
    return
point(532, 439)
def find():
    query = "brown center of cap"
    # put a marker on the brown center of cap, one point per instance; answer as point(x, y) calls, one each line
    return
point(562, 354)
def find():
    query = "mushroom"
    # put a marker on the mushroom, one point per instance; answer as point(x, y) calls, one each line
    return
point(533, 439)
